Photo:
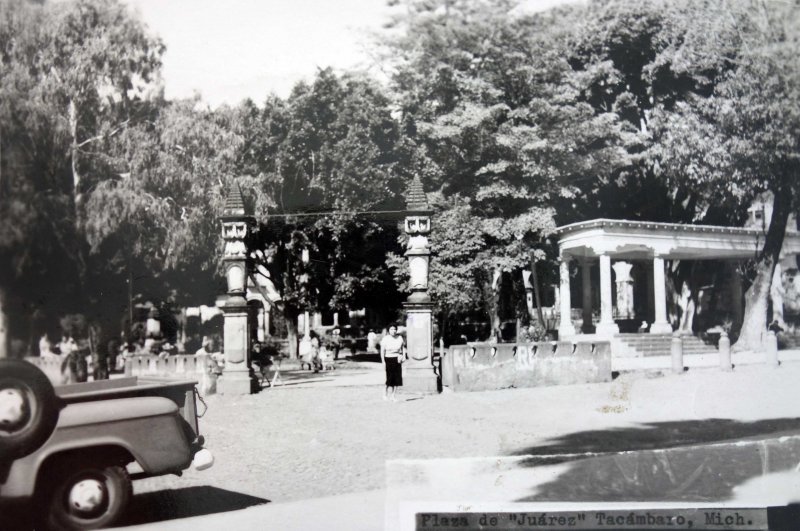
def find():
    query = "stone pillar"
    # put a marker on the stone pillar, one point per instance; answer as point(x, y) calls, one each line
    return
point(419, 374)
point(237, 378)
point(622, 273)
point(607, 327)
point(586, 291)
point(725, 352)
point(660, 325)
point(336, 318)
point(771, 349)
point(565, 327)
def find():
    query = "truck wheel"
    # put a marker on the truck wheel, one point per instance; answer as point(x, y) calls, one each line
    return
point(29, 409)
point(84, 497)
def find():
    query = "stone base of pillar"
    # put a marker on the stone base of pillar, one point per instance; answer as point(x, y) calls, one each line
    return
point(236, 383)
point(566, 330)
point(418, 372)
point(304, 347)
point(660, 328)
point(607, 329)
point(420, 380)
point(237, 378)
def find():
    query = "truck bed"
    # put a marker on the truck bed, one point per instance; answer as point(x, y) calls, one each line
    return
point(181, 392)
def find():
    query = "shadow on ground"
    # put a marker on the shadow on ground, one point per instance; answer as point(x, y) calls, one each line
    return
point(654, 435)
point(295, 377)
point(664, 461)
point(158, 506)
point(363, 356)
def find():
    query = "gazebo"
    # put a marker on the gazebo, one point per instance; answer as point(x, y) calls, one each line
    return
point(621, 241)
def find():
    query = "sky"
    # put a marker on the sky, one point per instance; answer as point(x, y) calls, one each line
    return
point(229, 50)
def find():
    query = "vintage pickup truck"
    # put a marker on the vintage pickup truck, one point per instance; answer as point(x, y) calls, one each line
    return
point(68, 454)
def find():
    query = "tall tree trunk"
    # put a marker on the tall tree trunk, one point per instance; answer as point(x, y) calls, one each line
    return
point(73, 128)
point(536, 294)
point(491, 293)
point(754, 323)
point(5, 340)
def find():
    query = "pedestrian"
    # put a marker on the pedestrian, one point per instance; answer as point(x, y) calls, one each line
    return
point(336, 343)
point(315, 361)
point(372, 341)
point(392, 356)
point(208, 366)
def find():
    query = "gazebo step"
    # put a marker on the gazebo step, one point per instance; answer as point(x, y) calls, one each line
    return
point(648, 345)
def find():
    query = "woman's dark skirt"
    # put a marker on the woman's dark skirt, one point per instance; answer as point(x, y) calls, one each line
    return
point(394, 372)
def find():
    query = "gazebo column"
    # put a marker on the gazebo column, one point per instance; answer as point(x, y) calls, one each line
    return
point(660, 325)
point(565, 328)
point(586, 280)
point(607, 327)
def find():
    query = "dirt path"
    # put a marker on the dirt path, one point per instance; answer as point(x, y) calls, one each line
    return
point(300, 442)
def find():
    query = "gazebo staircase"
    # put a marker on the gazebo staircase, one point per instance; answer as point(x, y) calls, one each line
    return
point(646, 345)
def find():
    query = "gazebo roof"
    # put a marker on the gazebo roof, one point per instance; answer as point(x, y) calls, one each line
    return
point(625, 239)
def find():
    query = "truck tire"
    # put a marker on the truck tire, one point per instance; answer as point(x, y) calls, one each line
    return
point(80, 495)
point(29, 409)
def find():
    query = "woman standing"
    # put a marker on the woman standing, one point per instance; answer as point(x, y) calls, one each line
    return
point(392, 355)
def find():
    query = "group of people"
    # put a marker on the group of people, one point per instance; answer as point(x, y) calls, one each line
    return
point(319, 353)
point(75, 357)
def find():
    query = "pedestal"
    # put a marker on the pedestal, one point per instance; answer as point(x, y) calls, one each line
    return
point(419, 375)
point(237, 377)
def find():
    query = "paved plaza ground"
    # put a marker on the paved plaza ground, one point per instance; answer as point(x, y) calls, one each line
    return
point(316, 447)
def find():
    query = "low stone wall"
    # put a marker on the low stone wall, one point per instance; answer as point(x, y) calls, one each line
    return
point(179, 366)
point(488, 366)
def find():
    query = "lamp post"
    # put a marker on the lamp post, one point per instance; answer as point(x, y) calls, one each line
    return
point(419, 371)
point(238, 378)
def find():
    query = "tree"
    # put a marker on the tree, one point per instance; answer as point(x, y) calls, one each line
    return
point(72, 75)
point(318, 159)
point(156, 222)
point(742, 138)
point(501, 122)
